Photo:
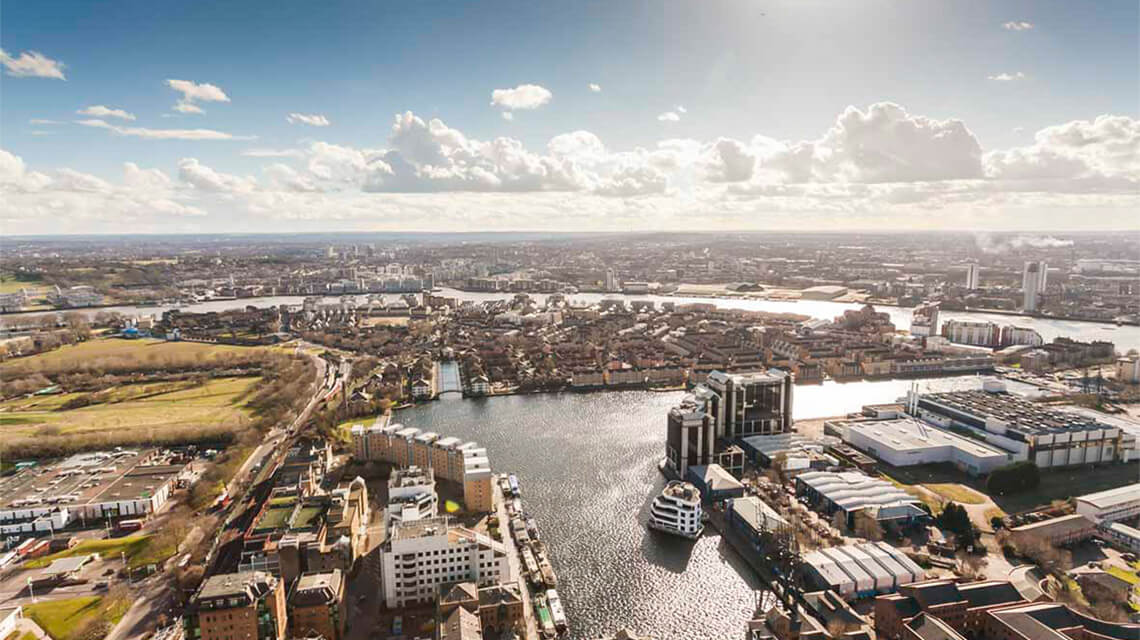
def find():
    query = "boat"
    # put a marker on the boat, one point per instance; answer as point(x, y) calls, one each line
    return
point(532, 528)
point(532, 571)
point(677, 511)
point(545, 620)
point(556, 611)
point(546, 570)
point(513, 481)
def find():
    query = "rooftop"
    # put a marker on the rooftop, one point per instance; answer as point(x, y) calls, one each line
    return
point(1113, 497)
point(852, 490)
point(244, 583)
point(1016, 412)
point(910, 434)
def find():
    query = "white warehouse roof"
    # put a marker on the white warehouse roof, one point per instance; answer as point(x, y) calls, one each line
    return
point(1113, 497)
point(852, 490)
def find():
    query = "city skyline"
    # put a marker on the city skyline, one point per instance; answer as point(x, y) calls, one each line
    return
point(626, 117)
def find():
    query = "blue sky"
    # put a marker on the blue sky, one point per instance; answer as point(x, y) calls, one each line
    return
point(963, 90)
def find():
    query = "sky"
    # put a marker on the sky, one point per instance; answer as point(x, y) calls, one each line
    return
point(161, 116)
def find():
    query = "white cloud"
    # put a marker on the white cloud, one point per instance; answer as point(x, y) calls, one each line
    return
point(875, 167)
point(273, 153)
point(508, 115)
point(186, 107)
point(524, 96)
point(596, 88)
point(43, 121)
point(681, 109)
point(202, 177)
point(163, 134)
point(32, 64)
point(194, 92)
point(100, 111)
point(669, 116)
point(313, 120)
point(1017, 26)
point(1007, 77)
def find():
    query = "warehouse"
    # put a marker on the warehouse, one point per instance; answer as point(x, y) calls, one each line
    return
point(715, 483)
point(1121, 503)
point(96, 485)
point(905, 441)
point(851, 492)
point(861, 570)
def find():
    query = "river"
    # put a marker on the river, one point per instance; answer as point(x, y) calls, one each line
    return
point(1124, 337)
point(587, 465)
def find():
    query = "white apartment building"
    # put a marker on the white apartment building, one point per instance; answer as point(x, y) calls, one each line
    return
point(421, 555)
point(411, 495)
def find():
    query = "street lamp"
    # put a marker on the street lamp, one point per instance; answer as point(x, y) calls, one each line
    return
point(31, 591)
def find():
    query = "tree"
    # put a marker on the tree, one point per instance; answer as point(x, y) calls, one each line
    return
point(955, 519)
point(866, 526)
point(1012, 478)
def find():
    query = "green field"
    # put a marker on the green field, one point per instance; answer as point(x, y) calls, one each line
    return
point(65, 619)
point(143, 348)
point(140, 550)
point(157, 406)
point(10, 283)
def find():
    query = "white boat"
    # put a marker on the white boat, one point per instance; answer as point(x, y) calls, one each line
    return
point(677, 511)
point(556, 610)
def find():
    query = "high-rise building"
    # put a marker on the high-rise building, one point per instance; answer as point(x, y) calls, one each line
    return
point(249, 604)
point(421, 555)
point(612, 283)
point(1032, 284)
point(689, 435)
point(924, 320)
point(411, 495)
point(974, 333)
point(973, 276)
point(744, 404)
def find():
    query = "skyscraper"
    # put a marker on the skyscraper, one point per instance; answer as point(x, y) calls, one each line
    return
point(973, 276)
point(1043, 274)
point(1031, 285)
point(690, 433)
point(750, 403)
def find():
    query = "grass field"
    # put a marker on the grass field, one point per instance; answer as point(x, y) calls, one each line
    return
point(140, 550)
point(1056, 484)
point(141, 406)
point(957, 493)
point(65, 619)
point(110, 347)
point(10, 283)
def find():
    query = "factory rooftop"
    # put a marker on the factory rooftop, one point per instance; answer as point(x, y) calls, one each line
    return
point(852, 490)
point(1017, 413)
point(908, 434)
point(89, 478)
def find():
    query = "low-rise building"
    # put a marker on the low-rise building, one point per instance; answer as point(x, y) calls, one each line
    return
point(1121, 503)
point(230, 606)
point(905, 441)
point(852, 492)
point(861, 570)
point(1052, 621)
point(1054, 531)
point(317, 607)
point(962, 607)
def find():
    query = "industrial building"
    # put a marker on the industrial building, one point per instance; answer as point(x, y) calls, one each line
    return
point(448, 458)
point(1121, 503)
point(903, 441)
point(1029, 431)
point(1055, 532)
point(861, 570)
point(714, 482)
point(800, 453)
point(851, 492)
point(759, 524)
point(89, 486)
